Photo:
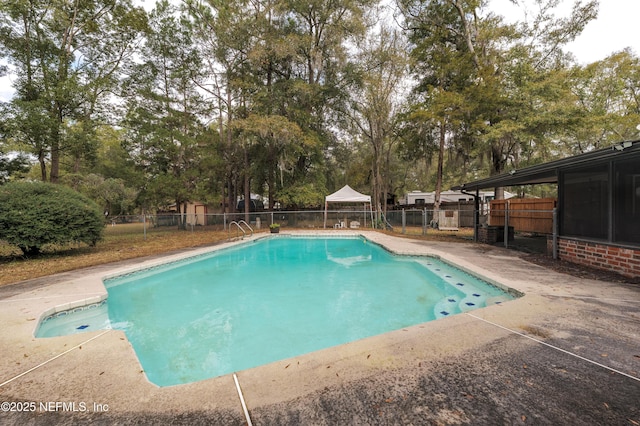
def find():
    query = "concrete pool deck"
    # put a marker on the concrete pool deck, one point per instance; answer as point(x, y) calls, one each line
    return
point(567, 352)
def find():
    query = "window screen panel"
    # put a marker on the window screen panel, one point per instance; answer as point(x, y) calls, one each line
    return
point(627, 201)
point(586, 202)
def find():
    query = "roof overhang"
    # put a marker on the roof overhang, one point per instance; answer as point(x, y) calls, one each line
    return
point(549, 172)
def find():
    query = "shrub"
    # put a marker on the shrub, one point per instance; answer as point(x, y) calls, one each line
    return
point(33, 214)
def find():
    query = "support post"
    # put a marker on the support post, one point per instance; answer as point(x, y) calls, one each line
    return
point(424, 221)
point(555, 233)
point(326, 205)
point(506, 224)
point(404, 221)
point(476, 212)
point(476, 220)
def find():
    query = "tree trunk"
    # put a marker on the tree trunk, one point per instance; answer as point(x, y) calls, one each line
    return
point(467, 33)
point(497, 168)
point(247, 188)
point(436, 203)
point(43, 165)
point(231, 194)
point(55, 158)
point(181, 219)
point(271, 182)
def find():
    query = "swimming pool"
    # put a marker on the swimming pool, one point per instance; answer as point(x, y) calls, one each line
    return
point(277, 298)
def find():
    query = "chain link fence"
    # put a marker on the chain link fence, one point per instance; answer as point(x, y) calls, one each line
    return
point(257, 220)
point(406, 221)
point(398, 221)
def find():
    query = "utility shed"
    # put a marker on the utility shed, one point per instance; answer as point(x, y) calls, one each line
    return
point(598, 213)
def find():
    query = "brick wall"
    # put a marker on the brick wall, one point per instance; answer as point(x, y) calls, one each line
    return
point(494, 234)
point(624, 261)
point(488, 235)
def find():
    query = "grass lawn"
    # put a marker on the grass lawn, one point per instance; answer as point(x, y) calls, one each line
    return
point(127, 241)
point(120, 242)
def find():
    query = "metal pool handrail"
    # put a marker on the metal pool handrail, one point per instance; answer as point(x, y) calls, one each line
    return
point(241, 222)
point(239, 225)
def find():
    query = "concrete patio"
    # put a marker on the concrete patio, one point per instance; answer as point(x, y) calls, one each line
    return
point(567, 352)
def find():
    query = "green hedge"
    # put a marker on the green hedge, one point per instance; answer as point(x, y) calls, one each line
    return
point(33, 214)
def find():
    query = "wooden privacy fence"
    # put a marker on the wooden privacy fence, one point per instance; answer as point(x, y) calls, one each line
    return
point(525, 214)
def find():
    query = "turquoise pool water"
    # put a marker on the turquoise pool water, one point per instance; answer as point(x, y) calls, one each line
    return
point(277, 298)
point(78, 320)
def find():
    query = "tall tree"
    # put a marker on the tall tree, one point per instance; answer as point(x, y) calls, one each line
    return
point(313, 75)
point(607, 103)
point(446, 67)
point(224, 32)
point(67, 56)
point(376, 101)
point(164, 110)
point(278, 60)
point(530, 74)
point(512, 72)
point(11, 165)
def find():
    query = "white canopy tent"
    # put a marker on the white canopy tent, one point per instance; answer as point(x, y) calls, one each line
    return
point(347, 195)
